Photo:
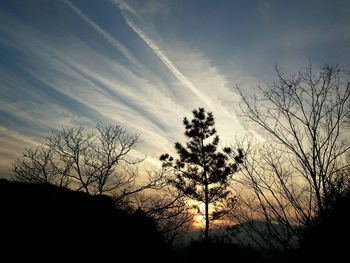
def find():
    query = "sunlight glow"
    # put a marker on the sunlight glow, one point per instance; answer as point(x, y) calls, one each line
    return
point(199, 222)
point(199, 217)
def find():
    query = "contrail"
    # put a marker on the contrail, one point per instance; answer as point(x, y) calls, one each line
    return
point(160, 54)
point(114, 42)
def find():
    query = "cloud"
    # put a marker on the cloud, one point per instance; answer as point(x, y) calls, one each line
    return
point(202, 78)
point(49, 84)
point(11, 146)
point(47, 88)
point(161, 54)
point(146, 7)
point(32, 99)
point(112, 40)
point(155, 7)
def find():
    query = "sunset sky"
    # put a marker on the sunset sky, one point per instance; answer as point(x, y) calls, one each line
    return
point(147, 64)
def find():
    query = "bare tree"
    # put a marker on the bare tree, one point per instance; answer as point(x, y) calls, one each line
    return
point(39, 166)
point(100, 163)
point(96, 163)
point(295, 174)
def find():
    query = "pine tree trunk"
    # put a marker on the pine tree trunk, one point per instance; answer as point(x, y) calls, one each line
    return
point(206, 233)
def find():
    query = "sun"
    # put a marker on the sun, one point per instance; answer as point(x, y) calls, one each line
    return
point(198, 215)
point(199, 221)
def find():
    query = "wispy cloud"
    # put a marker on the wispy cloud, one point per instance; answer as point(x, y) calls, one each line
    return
point(155, 7)
point(161, 55)
point(11, 145)
point(73, 84)
point(202, 78)
point(112, 40)
point(73, 88)
point(140, 69)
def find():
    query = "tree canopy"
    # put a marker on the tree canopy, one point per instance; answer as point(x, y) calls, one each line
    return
point(202, 172)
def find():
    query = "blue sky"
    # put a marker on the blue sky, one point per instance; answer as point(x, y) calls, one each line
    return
point(146, 64)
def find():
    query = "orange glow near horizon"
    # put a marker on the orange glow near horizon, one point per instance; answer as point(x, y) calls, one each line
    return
point(199, 222)
point(199, 218)
point(198, 215)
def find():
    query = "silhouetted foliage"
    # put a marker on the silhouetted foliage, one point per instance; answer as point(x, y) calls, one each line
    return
point(44, 223)
point(169, 211)
point(302, 166)
point(328, 238)
point(202, 173)
point(219, 252)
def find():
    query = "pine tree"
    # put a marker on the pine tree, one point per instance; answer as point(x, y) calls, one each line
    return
point(202, 172)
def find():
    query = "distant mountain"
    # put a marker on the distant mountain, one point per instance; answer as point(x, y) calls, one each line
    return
point(260, 235)
point(254, 234)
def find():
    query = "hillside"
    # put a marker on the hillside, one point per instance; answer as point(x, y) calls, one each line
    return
point(47, 223)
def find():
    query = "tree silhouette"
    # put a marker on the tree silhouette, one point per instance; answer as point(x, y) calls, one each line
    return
point(95, 163)
point(101, 162)
point(301, 168)
point(328, 237)
point(203, 173)
point(168, 210)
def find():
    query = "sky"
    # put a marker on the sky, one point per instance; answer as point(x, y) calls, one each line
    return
point(145, 65)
